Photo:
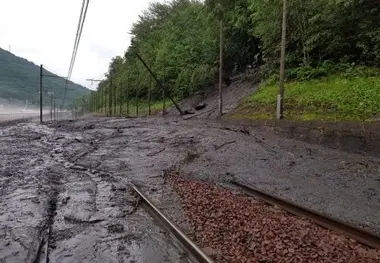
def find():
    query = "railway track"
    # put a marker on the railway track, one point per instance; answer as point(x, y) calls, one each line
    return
point(364, 237)
point(194, 252)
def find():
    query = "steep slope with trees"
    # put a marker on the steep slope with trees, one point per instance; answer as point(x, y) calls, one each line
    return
point(19, 81)
point(179, 40)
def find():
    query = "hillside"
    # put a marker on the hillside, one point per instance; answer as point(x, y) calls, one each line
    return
point(332, 58)
point(337, 97)
point(19, 81)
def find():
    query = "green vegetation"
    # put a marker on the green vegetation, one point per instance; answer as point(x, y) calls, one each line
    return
point(155, 107)
point(337, 97)
point(324, 30)
point(19, 81)
point(328, 42)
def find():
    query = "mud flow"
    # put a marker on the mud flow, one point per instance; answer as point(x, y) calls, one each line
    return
point(64, 193)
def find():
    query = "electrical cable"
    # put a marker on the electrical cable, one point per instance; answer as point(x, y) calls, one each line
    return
point(81, 21)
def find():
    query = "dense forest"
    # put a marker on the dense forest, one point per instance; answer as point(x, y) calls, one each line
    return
point(19, 81)
point(179, 41)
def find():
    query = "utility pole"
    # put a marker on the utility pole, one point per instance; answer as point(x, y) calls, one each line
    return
point(114, 93)
point(54, 112)
point(110, 97)
point(149, 95)
point(163, 90)
point(127, 97)
point(97, 100)
point(91, 102)
point(220, 112)
point(104, 101)
point(137, 93)
point(41, 68)
point(50, 93)
point(280, 96)
point(120, 96)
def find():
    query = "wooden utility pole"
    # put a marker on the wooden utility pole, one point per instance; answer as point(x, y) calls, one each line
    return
point(120, 96)
point(114, 98)
point(220, 112)
point(98, 97)
point(163, 90)
point(280, 96)
point(110, 97)
point(54, 112)
point(127, 97)
point(137, 93)
point(41, 69)
point(103, 101)
point(149, 94)
point(94, 101)
point(51, 105)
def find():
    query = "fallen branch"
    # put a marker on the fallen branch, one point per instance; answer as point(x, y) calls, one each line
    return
point(246, 132)
point(222, 145)
point(199, 114)
point(262, 141)
point(155, 153)
point(74, 220)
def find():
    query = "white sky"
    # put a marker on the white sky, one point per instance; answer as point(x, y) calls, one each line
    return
point(43, 31)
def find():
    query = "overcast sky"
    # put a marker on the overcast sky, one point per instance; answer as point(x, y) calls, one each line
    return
point(43, 31)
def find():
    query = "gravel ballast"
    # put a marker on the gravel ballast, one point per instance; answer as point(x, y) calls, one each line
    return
point(236, 228)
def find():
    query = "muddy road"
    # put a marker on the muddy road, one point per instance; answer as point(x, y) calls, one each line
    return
point(69, 181)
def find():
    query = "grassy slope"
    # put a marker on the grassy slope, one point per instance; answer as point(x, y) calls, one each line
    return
point(331, 98)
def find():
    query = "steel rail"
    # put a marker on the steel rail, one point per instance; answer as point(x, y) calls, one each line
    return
point(189, 245)
point(364, 237)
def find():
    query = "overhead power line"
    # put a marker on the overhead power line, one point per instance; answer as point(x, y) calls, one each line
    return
point(82, 18)
point(78, 35)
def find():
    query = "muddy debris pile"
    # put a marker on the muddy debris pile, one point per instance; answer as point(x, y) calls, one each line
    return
point(236, 228)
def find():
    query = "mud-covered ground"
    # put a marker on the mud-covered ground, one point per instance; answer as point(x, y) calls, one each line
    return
point(72, 177)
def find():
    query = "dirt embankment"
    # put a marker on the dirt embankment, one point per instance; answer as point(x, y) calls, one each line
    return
point(239, 88)
point(348, 136)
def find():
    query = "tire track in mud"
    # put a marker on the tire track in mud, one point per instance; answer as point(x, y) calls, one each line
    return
point(31, 178)
point(108, 230)
point(25, 193)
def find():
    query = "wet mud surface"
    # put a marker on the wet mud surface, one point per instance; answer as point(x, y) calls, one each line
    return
point(71, 179)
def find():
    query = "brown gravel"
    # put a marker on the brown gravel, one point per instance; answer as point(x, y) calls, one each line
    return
point(236, 228)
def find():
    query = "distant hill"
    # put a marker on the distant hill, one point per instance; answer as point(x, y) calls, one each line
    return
point(19, 81)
